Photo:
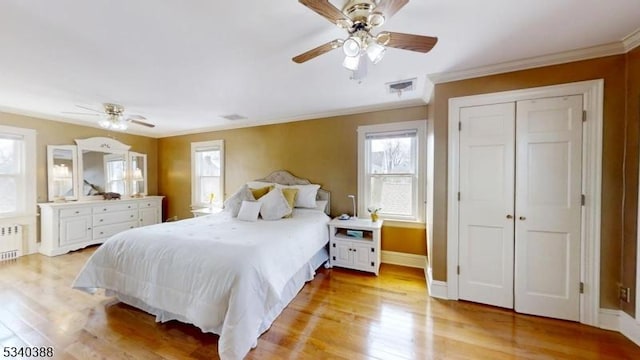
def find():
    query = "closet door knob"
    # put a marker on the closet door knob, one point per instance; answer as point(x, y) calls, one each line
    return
point(509, 216)
point(522, 218)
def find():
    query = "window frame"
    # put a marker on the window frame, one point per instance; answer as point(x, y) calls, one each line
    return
point(419, 179)
point(26, 200)
point(195, 184)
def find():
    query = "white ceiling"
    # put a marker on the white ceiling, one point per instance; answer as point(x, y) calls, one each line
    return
point(184, 64)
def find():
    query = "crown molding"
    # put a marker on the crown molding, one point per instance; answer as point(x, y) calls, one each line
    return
point(533, 62)
point(632, 40)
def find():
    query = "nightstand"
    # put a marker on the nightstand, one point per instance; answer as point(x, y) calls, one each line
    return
point(355, 244)
point(205, 211)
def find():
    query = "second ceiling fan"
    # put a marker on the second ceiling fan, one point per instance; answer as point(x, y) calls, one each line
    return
point(359, 18)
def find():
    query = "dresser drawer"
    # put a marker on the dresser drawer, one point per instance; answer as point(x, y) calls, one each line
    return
point(106, 231)
point(148, 204)
point(75, 212)
point(115, 217)
point(107, 208)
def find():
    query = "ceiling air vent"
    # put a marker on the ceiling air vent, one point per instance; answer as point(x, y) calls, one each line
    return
point(398, 87)
point(234, 117)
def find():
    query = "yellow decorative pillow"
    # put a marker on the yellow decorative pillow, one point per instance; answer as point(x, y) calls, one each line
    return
point(260, 192)
point(290, 194)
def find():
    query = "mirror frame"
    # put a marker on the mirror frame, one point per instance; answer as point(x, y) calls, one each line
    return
point(74, 172)
point(105, 145)
point(133, 154)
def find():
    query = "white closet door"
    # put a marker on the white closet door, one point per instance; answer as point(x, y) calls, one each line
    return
point(486, 227)
point(548, 207)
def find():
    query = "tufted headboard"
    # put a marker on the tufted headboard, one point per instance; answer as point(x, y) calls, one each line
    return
point(283, 177)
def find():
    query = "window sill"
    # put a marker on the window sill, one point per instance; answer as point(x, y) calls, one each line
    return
point(404, 223)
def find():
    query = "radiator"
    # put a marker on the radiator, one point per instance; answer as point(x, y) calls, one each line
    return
point(10, 242)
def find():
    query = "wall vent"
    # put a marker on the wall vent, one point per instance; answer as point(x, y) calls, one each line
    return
point(398, 87)
point(234, 117)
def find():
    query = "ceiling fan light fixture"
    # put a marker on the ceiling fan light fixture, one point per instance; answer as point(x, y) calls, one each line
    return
point(375, 19)
point(351, 62)
point(104, 123)
point(375, 51)
point(352, 46)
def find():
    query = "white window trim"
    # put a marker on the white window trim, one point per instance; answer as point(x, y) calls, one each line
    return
point(421, 127)
point(29, 208)
point(194, 147)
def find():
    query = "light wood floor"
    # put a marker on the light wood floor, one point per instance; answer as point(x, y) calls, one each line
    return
point(342, 314)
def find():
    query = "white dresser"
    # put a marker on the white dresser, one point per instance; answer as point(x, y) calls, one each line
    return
point(74, 225)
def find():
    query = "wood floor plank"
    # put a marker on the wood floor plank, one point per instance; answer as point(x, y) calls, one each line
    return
point(341, 314)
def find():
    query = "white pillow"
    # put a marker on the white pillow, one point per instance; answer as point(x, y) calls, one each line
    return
point(233, 203)
point(249, 210)
point(306, 194)
point(321, 205)
point(274, 205)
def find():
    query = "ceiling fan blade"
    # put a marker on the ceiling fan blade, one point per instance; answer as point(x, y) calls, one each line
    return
point(90, 109)
point(79, 113)
point(390, 7)
point(317, 51)
point(411, 42)
point(326, 10)
point(134, 120)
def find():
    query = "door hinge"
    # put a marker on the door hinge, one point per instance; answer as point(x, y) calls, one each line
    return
point(583, 199)
point(458, 269)
point(334, 244)
point(373, 250)
point(584, 115)
point(581, 288)
point(459, 125)
point(458, 195)
point(373, 264)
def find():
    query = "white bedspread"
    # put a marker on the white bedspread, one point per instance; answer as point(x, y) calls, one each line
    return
point(221, 274)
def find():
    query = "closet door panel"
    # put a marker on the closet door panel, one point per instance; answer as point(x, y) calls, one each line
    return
point(548, 206)
point(486, 200)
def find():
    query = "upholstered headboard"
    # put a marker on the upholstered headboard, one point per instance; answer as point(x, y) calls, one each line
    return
point(283, 177)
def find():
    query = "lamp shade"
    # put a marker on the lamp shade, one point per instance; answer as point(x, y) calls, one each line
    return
point(352, 46)
point(351, 62)
point(375, 51)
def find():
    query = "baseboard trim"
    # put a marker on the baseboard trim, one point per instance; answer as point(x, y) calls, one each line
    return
point(618, 320)
point(437, 289)
point(403, 259)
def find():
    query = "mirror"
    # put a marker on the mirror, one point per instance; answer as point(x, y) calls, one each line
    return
point(62, 167)
point(102, 167)
point(138, 173)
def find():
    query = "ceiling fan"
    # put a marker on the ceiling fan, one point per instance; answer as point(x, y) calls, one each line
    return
point(359, 18)
point(113, 117)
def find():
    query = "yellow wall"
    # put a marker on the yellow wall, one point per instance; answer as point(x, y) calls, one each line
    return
point(59, 133)
point(612, 70)
point(321, 150)
point(629, 260)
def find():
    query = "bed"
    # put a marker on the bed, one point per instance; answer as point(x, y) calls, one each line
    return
point(219, 273)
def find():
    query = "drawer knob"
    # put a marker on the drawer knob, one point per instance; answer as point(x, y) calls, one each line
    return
point(101, 233)
point(101, 220)
point(105, 209)
point(132, 216)
point(77, 212)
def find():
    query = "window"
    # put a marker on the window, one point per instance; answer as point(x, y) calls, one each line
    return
point(207, 173)
point(116, 175)
point(17, 171)
point(391, 170)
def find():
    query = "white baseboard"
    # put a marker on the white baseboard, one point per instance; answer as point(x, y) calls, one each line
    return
point(618, 320)
point(403, 259)
point(436, 288)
